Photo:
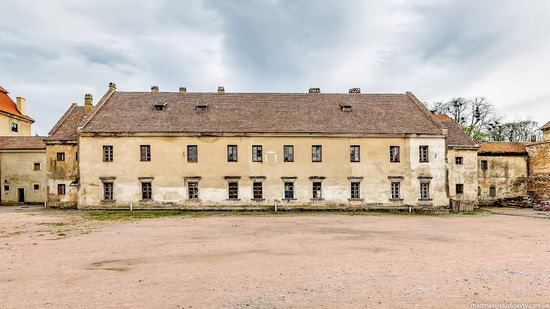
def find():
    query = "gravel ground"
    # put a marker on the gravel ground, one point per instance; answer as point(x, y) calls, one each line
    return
point(53, 259)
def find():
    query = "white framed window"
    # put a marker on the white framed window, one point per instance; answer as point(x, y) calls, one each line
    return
point(257, 187)
point(192, 187)
point(423, 153)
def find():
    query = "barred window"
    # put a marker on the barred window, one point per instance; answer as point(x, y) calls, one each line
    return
point(108, 191)
point(233, 189)
point(146, 191)
point(145, 152)
point(61, 189)
point(288, 153)
point(459, 160)
point(316, 153)
point(60, 156)
point(257, 190)
point(394, 153)
point(108, 153)
point(423, 153)
point(424, 190)
point(355, 190)
point(192, 153)
point(257, 153)
point(36, 186)
point(354, 153)
point(232, 155)
point(289, 190)
point(395, 190)
point(193, 190)
point(317, 192)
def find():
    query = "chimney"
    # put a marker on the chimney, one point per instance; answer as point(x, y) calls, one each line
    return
point(183, 89)
point(154, 88)
point(314, 90)
point(221, 89)
point(21, 105)
point(112, 86)
point(88, 103)
point(355, 90)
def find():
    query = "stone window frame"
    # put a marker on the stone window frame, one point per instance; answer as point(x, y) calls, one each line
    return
point(195, 180)
point(233, 180)
point(399, 181)
point(291, 179)
point(423, 153)
point(254, 180)
point(355, 179)
point(146, 180)
point(313, 180)
point(111, 181)
point(425, 180)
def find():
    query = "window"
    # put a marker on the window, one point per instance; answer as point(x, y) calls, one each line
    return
point(233, 189)
point(232, 153)
point(61, 189)
point(60, 156)
point(36, 186)
point(76, 156)
point(289, 190)
point(145, 152)
point(257, 153)
point(146, 191)
point(107, 153)
point(459, 160)
point(424, 190)
point(36, 166)
point(289, 153)
point(6, 187)
point(193, 190)
point(355, 190)
point(492, 191)
point(478, 191)
point(459, 188)
point(354, 154)
point(484, 165)
point(258, 190)
point(317, 190)
point(423, 153)
point(14, 127)
point(394, 153)
point(192, 153)
point(395, 190)
point(108, 191)
point(316, 153)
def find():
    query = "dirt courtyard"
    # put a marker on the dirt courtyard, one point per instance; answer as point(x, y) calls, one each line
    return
point(55, 259)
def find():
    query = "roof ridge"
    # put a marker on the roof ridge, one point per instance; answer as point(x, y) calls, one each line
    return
point(100, 104)
point(62, 119)
point(425, 110)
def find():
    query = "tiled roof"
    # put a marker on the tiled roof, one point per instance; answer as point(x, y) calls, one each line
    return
point(66, 128)
point(22, 143)
point(456, 136)
point(271, 113)
point(546, 126)
point(503, 147)
point(8, 106)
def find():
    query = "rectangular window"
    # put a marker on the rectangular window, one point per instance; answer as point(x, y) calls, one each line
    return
point(192, 153)
point(6, 187)
point(193, 190)
point(60, 156)
point(61, 189)
point(492, 191)
point(145, 152)
point(317, 190)
point(14, 127)
point(316, 153)
point(257, 153)
point(395, 190)
point(289, 153)
point(354, 154)
point(108, 191)
point(258, 190)
point(289, 190)
point(146, 191)
point(459, 188)
point(355, 190)
point(484, 165)
point(36, 186)
point(232, 155)
point(394, 153)
point(424, 190)
point(36, 166)
point(233, 189)
point(459, 160)
point(107, 153)
point(76, 156)
point(423, 153)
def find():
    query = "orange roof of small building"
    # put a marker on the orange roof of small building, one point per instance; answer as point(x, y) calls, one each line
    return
point(503, 147)
point(8, 106)
point(455, 135)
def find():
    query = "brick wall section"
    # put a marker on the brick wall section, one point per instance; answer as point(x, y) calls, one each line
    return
point(538, 184)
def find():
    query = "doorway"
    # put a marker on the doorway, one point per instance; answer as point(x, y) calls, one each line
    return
point(21, 195)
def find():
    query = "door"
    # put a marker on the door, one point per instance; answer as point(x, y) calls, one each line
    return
point(21, 195)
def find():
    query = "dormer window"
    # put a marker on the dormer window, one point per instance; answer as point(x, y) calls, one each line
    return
point(345, 107)
point(160, 106)
point(201, 107)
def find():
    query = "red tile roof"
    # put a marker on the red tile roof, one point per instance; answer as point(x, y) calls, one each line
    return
point(8, 106)
point(456, 137)
point(22, 143)
point(503, 147)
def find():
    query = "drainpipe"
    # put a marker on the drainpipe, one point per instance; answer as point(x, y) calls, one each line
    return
point(131, 207)
point(276, 202)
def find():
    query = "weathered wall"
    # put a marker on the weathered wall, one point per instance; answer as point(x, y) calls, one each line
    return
point(539, 170)
point(5, 126)
point(169, 167)
point(17, 171)
point(465, 174)
point(506, 173)
point(62, 172)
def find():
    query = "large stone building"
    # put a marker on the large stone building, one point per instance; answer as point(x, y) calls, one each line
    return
point(255, 150)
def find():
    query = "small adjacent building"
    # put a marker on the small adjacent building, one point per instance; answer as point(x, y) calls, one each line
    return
point(539, 166)
point(13, 118)
point(22, 170)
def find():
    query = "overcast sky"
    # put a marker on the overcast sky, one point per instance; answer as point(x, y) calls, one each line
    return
point(54, 53)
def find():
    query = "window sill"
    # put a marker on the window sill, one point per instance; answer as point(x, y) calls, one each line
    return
point(395, 161)
point(355, 199)
point(233, 199)
point(396, 199)
point(145, 201)
point(317, 199)
point(258, 199)
point(108, 201)
point(289, 199)
point(194, 199)
point(425, 199)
